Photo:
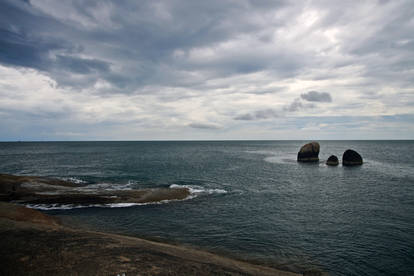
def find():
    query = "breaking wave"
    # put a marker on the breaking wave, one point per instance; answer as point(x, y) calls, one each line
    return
point(56, 206)
point(198, 190)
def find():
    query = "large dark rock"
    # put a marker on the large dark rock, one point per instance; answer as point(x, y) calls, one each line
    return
point(332, 161)
point(309, 152)
point(351, 158)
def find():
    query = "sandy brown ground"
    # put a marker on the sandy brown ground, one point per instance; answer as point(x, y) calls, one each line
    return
point(33, 243)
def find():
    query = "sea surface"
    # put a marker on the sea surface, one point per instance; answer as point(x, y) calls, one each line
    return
point(250, 199)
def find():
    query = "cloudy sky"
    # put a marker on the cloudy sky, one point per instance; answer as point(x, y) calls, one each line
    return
point(217, 69)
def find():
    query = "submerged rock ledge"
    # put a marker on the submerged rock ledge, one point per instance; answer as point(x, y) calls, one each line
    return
point(41, 190)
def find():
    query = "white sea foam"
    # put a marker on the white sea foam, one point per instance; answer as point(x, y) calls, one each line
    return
point(73, 180)
point(99, 186)
point(77, 206)
point(53, 206)
point(56, 206)
point(198, 190)
point(105, 187)
point(276, 157)
point(109, 205)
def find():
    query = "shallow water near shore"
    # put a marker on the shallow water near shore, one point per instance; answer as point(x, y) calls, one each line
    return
point(249, 198)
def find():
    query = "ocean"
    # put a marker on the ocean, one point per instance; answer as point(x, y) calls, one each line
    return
point(249, 199)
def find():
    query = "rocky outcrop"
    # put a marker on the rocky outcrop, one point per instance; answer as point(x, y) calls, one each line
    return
point(351, 158)
point(332, 161)
point(309, 152)
point(41, 190)
point(21, 213)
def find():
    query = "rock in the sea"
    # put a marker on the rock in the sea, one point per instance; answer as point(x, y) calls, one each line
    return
point(332, 161)
point(351, 158)
point(42, 190)
point(309, 152)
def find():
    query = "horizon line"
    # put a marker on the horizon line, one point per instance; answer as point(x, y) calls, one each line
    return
point(200, 140)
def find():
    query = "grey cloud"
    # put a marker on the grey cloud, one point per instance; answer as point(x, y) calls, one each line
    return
point(264, 91)
point(315, 96)
point(81, 65)
point(384, 46)
point(21, 50)
point(294, 106)
point(245, 117)
point(141, 39)
point(138, 38)
point(20, 43)
point(258, 115)
point(297, 105)
point(225, 54)
point(204, 126)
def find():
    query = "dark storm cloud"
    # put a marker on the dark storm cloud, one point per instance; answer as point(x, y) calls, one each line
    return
point(139, 37)
point(23, 41)
point(20, 50)
point(315, 96)
point(81, 65)
point(32, 39)
point(166, 42)
point(153, 42)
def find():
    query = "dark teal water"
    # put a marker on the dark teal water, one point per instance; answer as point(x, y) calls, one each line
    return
point(252, 198)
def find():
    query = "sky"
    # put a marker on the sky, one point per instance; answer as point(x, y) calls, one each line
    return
point(206, 70)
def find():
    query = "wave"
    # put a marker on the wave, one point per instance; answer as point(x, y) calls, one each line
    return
point(198, 190)
point(73, 180)
point(55, 206)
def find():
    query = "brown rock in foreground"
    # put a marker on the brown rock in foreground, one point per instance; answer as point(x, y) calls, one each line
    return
point(30, 247)
point(309, 152)
point(21, 213)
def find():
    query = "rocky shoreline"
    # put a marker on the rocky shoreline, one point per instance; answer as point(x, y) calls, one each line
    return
point(35, 190)
point(34, 243)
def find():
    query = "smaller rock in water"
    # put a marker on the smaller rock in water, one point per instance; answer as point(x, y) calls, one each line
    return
point(332, 161)
point(309, 152)
point(351, 158)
